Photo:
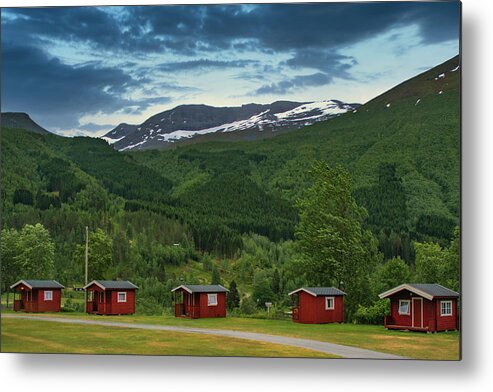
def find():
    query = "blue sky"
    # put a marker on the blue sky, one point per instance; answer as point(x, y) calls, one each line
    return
point(83, 70)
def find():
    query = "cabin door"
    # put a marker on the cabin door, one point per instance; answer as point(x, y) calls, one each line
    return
point(418, 312)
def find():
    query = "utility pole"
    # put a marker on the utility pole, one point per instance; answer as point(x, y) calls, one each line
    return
point(86, 262)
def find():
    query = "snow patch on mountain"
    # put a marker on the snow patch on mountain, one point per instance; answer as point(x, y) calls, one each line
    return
point(150, 135)
point(110, 140)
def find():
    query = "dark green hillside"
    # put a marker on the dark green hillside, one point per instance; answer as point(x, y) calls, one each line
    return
point(420, 139)
point(118, 173)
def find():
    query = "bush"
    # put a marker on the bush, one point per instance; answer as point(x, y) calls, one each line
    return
point(149, 306)
point(247, 306)
point(248, 309)
point(70, 306)
point(372, 314)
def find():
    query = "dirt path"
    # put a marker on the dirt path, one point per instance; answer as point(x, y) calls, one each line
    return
point(329, 348)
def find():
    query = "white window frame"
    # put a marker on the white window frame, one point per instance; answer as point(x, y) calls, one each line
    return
point(48, 297)
point(408, 301)
point(327, 307)
point(124, 295)
point(211, 296)
point(442, 314)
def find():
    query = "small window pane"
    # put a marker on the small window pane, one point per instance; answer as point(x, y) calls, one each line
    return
point(122, 297)
point(48, 295)
point(211, 299)
point(403, 307)
point(446, 308)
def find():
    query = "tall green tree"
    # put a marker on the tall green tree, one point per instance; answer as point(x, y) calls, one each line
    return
point(452, 270)
point(335, 249)
point(233, 297)
point(28, 253)
point(100, 256)
point(435, 264)
point(391, 274)
point(262, 291)
point(11, 269)
point(215, 276)
point(430, 262)
point(36, 252)
point(276, 282)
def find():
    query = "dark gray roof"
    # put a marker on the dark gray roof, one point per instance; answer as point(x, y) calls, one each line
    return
point(41, 284)
point(114, 284)
point(322, 290)
point(426, 290)
point(203, 288)
point(435, 290)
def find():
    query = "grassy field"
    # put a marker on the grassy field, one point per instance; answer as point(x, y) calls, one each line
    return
point(440, 346)
point(29, 336)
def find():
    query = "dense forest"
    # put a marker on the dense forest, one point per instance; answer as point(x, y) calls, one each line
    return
point(380, 183)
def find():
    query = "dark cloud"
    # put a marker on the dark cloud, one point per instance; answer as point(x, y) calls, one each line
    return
point(438, 21)
point(144, 103)
point(92, 128)
point(330, 66)
point(332, 63)
point(192, 29)
point(203, 64)
point(60, 94)
point(78, 24)
point(295, 83)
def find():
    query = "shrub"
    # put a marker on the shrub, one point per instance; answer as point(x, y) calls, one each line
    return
point(149, 306)
point(247, 306)
point(372, 314)
point(70, 306)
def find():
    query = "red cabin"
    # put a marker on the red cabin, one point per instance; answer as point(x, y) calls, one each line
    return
point(37, 296)
point(318, 305)
point(110, 297)
point(422, 307)
point(200, 301)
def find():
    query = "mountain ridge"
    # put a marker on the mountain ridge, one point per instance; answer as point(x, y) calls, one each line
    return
point(21, 120)
point(186, 122)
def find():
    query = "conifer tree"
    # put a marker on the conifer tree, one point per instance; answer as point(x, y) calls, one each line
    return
point(233, 297)
point(335, 249)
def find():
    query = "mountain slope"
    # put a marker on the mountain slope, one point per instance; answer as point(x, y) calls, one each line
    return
point(414, 127)
point(438, 80)
point(188, 122)
point(19, 120)
point(119, 133)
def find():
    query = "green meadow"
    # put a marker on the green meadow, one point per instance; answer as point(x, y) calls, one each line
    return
point(18, 335)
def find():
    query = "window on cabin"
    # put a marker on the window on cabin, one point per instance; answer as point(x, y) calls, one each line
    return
point(404, 306)
point(329, 303)
point(122, 296)
point(445, 308)
point(211, 299)
point(48, 295)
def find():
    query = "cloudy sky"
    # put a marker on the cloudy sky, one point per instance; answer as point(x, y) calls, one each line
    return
point(86, 69)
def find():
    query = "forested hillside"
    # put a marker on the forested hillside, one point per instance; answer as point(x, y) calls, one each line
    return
point(401, 148)
point(224, 211)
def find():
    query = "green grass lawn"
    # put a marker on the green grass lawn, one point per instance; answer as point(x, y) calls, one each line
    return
point(29, 336)
point(444, 345)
